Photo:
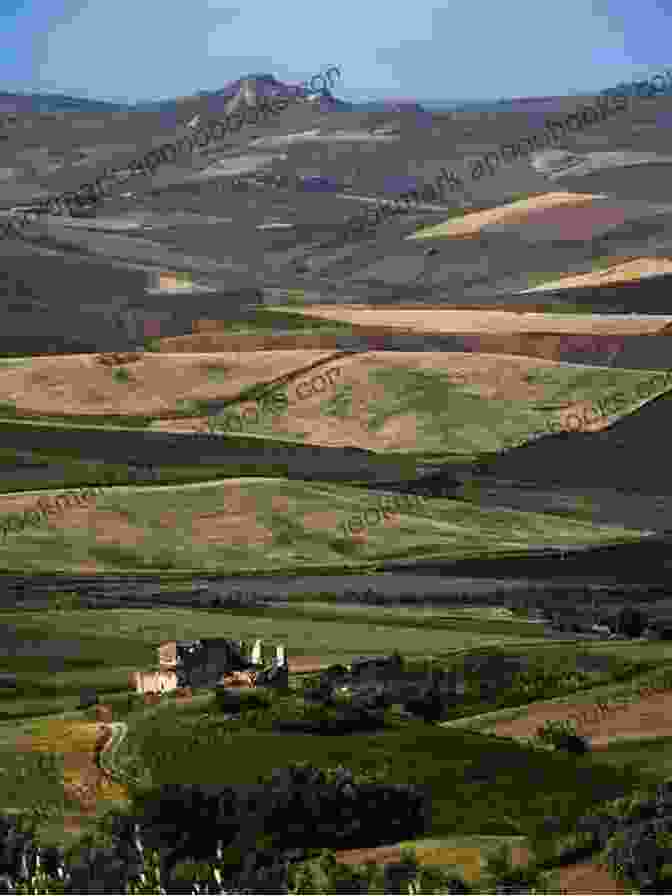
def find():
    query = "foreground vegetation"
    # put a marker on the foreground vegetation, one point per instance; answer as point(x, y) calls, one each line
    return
point(461, 769)
point(271, 832)
point(48, 873)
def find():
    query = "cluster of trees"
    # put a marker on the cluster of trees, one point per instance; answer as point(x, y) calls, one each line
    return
point(497, 684)
point(634, 837)
point(252, 833)
point(368, 698)
point(118, 859)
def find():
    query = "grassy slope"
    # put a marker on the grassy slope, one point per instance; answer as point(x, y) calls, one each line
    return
point(534, 784)
point(59, 659)
point(105, 637)
point(111, 643)
point(457, 419)
point(466, 425)
point(141, 630)
point(600, 263)
point(651, 756)
point(442, 527)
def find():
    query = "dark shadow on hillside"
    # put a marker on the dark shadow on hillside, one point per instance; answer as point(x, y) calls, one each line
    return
point(632, 455)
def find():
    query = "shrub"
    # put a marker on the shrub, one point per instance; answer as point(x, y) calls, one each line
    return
point(500, 875)
point(241, 699)
point(121, 375)
point(18, 847)
point(66, 600)
point(254, 828)
point(88, 697)
point(562, 735)
point(429, 706)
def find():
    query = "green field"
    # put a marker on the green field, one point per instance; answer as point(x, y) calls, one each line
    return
point(512, 788)
point(56, 652)
point(132, 633)
point(440, 528)
point(650, 756)
point(54, 663)
point(101, 647)
point(188, 744)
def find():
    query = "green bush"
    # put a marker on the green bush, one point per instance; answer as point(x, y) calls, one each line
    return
point(562, 734)
point(233, 700)
point(67, 600)
point(499, 871)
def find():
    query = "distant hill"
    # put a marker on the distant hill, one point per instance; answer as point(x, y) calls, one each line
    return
point(54, 102)
point(266, 85)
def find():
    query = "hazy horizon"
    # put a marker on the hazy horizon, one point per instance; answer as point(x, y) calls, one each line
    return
point(128, 52)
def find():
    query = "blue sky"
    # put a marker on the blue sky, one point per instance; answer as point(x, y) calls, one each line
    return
point(129, 50)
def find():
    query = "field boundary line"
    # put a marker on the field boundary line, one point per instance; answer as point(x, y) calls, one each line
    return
point(514, 712)
point(106, 756)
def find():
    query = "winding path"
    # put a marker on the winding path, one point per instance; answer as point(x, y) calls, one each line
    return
point(105, 758)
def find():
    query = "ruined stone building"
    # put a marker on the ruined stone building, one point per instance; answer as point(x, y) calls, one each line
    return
point(201, 663)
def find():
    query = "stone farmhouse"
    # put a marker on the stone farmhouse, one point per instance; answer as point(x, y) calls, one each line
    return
point(154, 681)
point(202, 663)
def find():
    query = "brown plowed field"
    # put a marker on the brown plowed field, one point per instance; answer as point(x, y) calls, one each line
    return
point(580, 879)
point(220, 341)
point(625, 272)
point(588, 879)
point(160, 383)
point(466, 858)
point(80, 384)
point(307, 663)
point(451, 320)
point(84, 782)
point(495, 377)
point(471, 224)
point(551, 346)
point(648, 717)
